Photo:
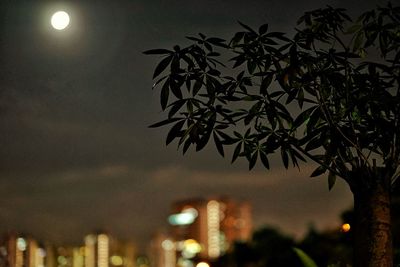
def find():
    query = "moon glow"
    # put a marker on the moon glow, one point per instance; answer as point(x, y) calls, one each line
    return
point(60, 20)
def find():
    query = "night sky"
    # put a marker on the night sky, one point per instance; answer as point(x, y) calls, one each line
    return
point(76, 153)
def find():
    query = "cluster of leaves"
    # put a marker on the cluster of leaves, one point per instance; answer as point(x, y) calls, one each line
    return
point(271, 247)
point(267, 247)
point(330, 93)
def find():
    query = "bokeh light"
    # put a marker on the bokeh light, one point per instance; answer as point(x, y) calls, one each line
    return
point(345, 227)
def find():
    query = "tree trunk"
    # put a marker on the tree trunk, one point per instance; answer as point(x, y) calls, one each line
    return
point(372, 229)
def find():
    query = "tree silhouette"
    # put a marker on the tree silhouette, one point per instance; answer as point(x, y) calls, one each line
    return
point(329, 94)
point(267, 247)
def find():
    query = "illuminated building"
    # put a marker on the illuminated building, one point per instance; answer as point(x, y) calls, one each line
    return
point(121, 254)
point(67, 256)
point(78, 257)
point(101, 250)
point(90, 251)
point(50, 260)
point(206, 228)
point(163, 251)
point(19, 251)
point(35, 256)
point(19, 256)
point(13, 254)
point(96, 250)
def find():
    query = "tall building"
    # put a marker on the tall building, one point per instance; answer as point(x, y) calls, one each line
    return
point(96, 250)
point(19, 251)
point(122, 254)
point(102, 250)
point(99, 250)
point(162, 250)
point(206, 228)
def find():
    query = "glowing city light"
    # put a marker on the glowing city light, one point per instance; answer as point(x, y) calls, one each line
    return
point(168, 244)
point(187, 216)
point(346, 227)
point(62, 260)
point(202, 264)
point(21, 244)
point(116, 260)
point(192, 246)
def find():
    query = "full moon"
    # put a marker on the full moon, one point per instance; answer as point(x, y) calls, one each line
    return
point(60, 20)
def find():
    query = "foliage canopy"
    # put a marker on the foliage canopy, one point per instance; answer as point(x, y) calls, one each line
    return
point(329, 93)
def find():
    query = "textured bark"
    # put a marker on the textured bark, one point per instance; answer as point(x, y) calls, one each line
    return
point(372, 229)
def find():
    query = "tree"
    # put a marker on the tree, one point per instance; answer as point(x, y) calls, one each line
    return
point(268, 247)
point(330, 94)
point(328, 248)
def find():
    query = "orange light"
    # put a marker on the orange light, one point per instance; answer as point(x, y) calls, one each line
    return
point(345, 228)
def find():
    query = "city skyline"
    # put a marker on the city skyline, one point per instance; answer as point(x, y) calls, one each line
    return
point(76, 152)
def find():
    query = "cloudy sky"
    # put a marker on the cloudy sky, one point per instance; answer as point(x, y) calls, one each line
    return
point(76, 153)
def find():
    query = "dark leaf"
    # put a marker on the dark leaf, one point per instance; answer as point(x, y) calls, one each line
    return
point(318, 171)
point(247, 27)
point(293, 157)
point(358, 41)
point(253, 160)
point(203, 140)
point(354, 28)
point(159, 81)
point(218, 144)
point(315, 117)
point(304, 258)
point(272, 143)
point(157, 52)
point(253, 112)
point(237, 38)
point(300, 98)
point(176, 89)
point(175, 107)
point(265, 83)
point(175, 131)
point(194, 39)
point(285, 158)
point(227, 140)
point(214, 72)
point(314, 143)
point(197, 85)
point(164, 95)
point(291, 96)
point(251, 66)
point(236, 152)
point(239, 60)
point(303, 117)
point(186, 145)
point(263, 29)
point(162, 65)
point(331, 180)
point(217, 42)
point(164, 122)
point(264, 160)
